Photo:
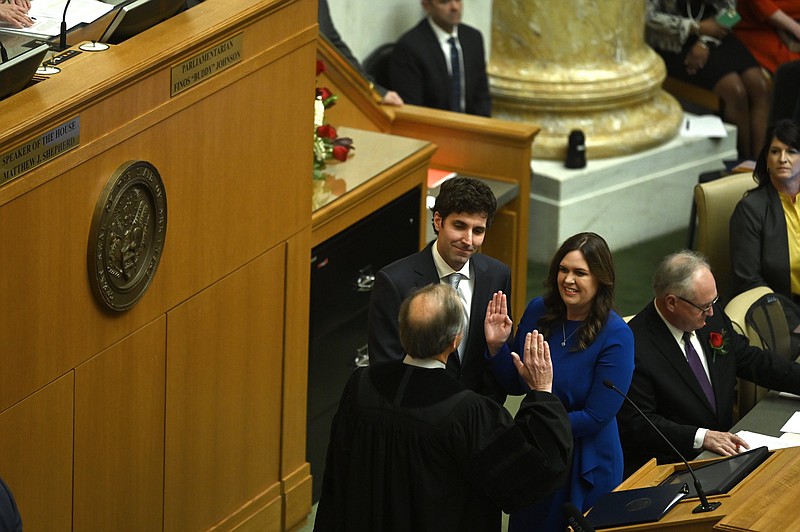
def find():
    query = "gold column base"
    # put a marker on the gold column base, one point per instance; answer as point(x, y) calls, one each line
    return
point(580, 64)
point(609, 132)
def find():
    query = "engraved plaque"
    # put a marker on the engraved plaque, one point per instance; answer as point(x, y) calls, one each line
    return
point(127, 235)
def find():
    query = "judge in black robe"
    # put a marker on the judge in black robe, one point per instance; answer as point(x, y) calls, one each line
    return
point(412, 449)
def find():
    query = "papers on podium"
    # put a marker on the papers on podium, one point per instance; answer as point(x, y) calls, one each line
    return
point(47, 16)
point(707, 126)
point(631, 507)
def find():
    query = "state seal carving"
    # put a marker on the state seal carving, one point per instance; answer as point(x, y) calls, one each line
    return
point(127, 235)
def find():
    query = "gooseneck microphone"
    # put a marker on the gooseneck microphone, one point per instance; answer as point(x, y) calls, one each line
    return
point(576, 519)
point(704, 505)
point(62, 43)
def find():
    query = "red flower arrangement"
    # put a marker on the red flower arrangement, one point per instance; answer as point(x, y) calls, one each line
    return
point(718, 342)
point(327, 144)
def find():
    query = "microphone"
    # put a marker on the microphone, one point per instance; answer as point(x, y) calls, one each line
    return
point(704, 505)
point(62, 44)
point(576, 519)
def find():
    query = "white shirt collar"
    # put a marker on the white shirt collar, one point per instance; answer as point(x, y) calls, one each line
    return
point(426, 363)
point(442, 35)
point(676, 333)
point(444, 269)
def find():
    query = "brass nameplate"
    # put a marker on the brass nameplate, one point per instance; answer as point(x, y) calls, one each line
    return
point(38, 151)
point(206, 64)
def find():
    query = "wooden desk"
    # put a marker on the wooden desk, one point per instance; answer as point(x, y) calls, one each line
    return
point(764, 501)
point(381, 168)
point(15, 42)
point(773, 506)
point(774, 475)
point(766, 417)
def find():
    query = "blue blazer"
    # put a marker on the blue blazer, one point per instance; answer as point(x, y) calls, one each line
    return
point(597, 462)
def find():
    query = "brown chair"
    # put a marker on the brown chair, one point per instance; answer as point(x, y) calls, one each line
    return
point(715, 201)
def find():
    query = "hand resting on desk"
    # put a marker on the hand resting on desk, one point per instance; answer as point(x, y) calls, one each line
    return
point(15, 13)
point(723, 443)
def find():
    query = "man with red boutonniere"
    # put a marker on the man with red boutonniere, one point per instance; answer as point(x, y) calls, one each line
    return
point(688, 357)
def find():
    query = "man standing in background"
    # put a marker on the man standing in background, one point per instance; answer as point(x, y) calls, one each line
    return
point(441, 63)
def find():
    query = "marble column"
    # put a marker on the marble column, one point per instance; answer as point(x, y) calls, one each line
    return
point(580, 64)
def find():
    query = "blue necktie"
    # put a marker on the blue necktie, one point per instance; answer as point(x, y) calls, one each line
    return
point(455, 77)
point(697, 368)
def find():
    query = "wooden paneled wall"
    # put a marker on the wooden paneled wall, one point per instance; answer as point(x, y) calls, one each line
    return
point(186, 412)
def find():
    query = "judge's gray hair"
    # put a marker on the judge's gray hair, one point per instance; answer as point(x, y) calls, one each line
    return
point(430, 319)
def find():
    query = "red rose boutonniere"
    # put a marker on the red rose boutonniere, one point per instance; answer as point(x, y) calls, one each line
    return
point(718, 341)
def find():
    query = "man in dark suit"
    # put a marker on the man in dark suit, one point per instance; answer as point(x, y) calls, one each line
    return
point(463, 211)
point(691, 404)
point(421, 66)
point(412, 449)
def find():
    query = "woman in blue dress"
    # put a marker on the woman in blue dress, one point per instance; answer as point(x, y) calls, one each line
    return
point(589, 343)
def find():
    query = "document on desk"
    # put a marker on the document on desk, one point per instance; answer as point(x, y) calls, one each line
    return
point(793, 425)
point(754, 439)
point(47, 15)
point(709, 126)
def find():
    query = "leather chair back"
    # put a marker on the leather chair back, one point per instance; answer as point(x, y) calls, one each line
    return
point(715, 201)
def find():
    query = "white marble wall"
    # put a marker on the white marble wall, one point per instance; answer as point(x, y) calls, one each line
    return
point(627, 200)
point(366, 24)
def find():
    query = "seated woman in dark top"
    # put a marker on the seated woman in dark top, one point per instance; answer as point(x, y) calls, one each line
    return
point(765, 226)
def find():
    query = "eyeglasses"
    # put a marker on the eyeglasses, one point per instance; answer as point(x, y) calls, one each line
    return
point(703, 310)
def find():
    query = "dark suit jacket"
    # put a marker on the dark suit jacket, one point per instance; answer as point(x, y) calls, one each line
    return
point(10, 520)
point(397, 280)
point(418, 69)
point(759, 243)
point(666, 390)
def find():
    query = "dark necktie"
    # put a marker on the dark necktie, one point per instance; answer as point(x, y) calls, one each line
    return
point(455, 77)
point(697, 369)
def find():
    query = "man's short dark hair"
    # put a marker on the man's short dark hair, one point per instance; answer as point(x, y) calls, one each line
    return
point(468, 195)
point(430, 319)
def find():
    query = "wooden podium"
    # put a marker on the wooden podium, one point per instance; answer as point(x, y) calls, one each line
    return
point(766, 500)
point(187, 411)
